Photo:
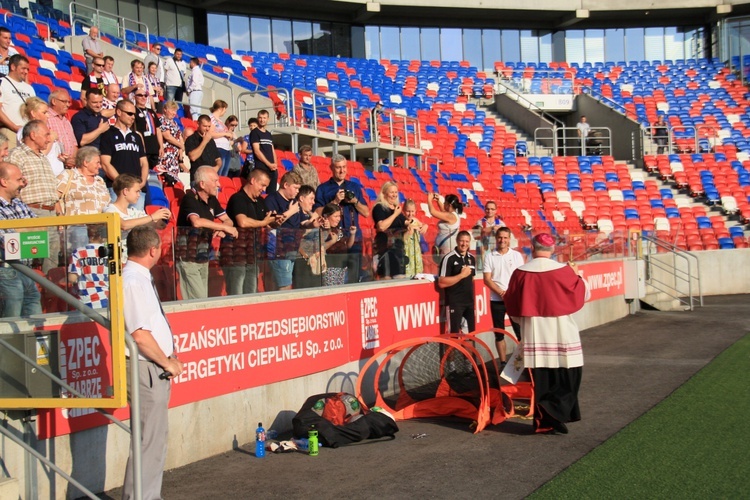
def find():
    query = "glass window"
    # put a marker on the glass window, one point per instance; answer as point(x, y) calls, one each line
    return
point(323, 38)
point(218, 33)
point(491, 48)
point(239, 33)
point(260, 32)
point(431, 44)
point(614, 45)
point(450, 44)
point(410, 44)
point(473, 47)
point(634, 44)
point(302, 33)
point(372, 42)
point(358, 43)
point(674, 44)
point(108, 22)
point(574, 46)
point(390, 43)
point(594, 45)
point(281, 31)
point(654, 44)
point(545, 47)
point(167, 20)
point(185, 26)
point(109, 6)
point(129, 9)
point(148, 15)
point(511, 44)
point(529, 46)
point(342, 39)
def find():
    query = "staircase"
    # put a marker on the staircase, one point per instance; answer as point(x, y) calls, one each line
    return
point(511, 127)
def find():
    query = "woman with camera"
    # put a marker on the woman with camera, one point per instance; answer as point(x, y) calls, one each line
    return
point(337, 241)
point(413, 239)
point(449, 222)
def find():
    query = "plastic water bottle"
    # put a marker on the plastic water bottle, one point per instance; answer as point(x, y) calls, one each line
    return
point(260, 441)
point(312, 438)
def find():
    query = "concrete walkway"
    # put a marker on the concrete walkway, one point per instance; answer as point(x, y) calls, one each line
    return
point(630, 366)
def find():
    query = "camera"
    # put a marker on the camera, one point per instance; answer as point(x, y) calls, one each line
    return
point(349, 195)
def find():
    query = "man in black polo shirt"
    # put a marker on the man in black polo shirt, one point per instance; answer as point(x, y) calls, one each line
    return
point(261, 141)
point(457, 270)
point(89, 124)
point(123, 151)
point(242, 257)
point(201, 148)
point(147, 123)
point(196, 228)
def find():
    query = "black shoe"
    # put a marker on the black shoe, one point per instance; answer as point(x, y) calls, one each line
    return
point(559, 427)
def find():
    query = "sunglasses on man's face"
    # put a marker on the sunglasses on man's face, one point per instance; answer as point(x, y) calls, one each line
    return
point(141, 95)
point(129, 113)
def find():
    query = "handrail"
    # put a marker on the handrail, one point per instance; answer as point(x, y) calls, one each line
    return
point(277, 121)
point(675, 271)
point(319, 111)
point(135, 417)
point(532, 106)
point(581, 147)
point(394, 139)
point(122, 34)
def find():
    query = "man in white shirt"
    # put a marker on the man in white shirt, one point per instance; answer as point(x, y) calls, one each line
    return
point(14, 91)
point(499, 265)
point(195, 88)
point(174, 69)
point(583, 133)
point(154, 56)
point(157, 362)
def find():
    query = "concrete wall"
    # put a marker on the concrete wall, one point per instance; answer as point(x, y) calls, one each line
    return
point(718, 276)
point(626, 134)
point(522, 117)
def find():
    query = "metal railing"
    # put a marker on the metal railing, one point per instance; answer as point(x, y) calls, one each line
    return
point(314, 110)
point(682, 277)
point(96, 15)
point(135, 419)
point(566, 141)
point(280, 102)
point(392, 129)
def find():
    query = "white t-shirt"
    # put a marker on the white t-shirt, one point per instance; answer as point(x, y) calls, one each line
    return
point(132, 213)
point(13, 95)
point(501, 266)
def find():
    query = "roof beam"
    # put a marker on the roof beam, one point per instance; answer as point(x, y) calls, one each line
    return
point(572, 18)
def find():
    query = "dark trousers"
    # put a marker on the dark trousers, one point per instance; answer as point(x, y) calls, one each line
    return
point(556, 396)
point(497, 309)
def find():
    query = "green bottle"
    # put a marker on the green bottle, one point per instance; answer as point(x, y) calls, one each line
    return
point(312, 438)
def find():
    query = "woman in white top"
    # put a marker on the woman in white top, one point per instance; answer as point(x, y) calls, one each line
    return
point(36, 109)
point(449, 221)
point(222, 135)
point(128, 190)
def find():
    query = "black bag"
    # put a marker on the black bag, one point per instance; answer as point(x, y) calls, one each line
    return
point(372, 425)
